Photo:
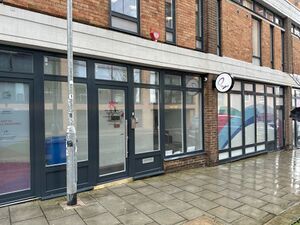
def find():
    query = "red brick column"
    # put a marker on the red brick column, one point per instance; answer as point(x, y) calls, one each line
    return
point(211, 121)
point(288, 126)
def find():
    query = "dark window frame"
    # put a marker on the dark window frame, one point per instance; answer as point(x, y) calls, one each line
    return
point(219, 29)
point(260, 38)
point(183, 89)
point(125, 17)
point(199, 24)
point(272, 46)
point(171, 30)
point(243, 146)
point(282, 51)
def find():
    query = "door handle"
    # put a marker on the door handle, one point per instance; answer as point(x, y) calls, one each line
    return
point(126, 139)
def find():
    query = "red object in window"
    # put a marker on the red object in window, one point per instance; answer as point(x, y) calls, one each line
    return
point(154, 35)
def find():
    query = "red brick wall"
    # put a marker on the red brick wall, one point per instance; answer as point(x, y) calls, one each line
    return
point(93, 12)
point(185, 163)
point(296, 55)
point(211, 121)
point(186, 23)
point(265, 44)
point(153, 18)
point(236, 32)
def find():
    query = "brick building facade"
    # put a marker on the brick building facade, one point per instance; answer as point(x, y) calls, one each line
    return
point(168, 86)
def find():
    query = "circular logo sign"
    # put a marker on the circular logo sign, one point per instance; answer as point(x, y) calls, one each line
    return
point(224, 82)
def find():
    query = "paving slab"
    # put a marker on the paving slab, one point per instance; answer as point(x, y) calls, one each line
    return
point(176, 205)
point(225, 214)
point(68, 220)
point(56, 211)
point(166, 217)
point(192, 213)
point(185, 196)
point(25, 211)
point(203, 204)
point(4, 221)
point(209, 195)
point(90, 210)
point(228, 202)
point(34, 221)
point(4, 213)
point(149, 207)
point(135, 218)
point(102, 219)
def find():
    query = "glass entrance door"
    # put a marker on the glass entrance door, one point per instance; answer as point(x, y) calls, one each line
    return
point(113, 132)
point(145, 123)
point(15, 167)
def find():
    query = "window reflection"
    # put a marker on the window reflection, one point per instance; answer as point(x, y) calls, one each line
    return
point(147, 114)
point(56, 121)
point(193, 122)
point(173, 122)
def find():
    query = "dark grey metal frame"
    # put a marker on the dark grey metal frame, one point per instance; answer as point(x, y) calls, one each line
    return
point(199, 17)
point(173, 31)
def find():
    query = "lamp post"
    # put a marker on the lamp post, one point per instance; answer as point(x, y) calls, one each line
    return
point(71, 140)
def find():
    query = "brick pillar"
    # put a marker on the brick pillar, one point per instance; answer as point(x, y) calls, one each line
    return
point(210, 9)
point(211, 121)
point(288, 125)
point(288, 46)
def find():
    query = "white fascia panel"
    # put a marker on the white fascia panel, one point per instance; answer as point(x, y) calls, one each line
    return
point(29, 29)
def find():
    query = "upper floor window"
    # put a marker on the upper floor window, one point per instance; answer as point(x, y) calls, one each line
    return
point(124, 15)
point(272, 46)
point(199, 24)
point(256, 42)
point(219, 29)
point(170, 21)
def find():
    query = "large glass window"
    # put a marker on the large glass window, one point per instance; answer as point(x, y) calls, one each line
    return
point(183, 114)
point(260, 119)
point(56, 121)
point(247, 114)
point(125, 15)
point(59, 66)
point(173, 122)
point(110, 72)
point(15, 172)
point(170, 20)
point(18, 62)
point(270, 119)
point(194, 121)
point(256, 42)
point(249, 120)
point(223, 121)
point(236, 120)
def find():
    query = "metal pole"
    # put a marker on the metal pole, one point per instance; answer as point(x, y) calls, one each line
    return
point(71, 140)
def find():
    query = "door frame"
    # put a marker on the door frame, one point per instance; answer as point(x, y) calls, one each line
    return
point(118, 175)
point(25, 194)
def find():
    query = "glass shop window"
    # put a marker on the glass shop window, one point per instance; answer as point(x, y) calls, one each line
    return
point(110, 72)
point(18, 62)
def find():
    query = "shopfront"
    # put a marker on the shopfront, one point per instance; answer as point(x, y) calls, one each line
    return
point(129, 119)
point(250, 120)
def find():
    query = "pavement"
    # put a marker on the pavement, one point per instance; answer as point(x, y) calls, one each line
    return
point(254, 191)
